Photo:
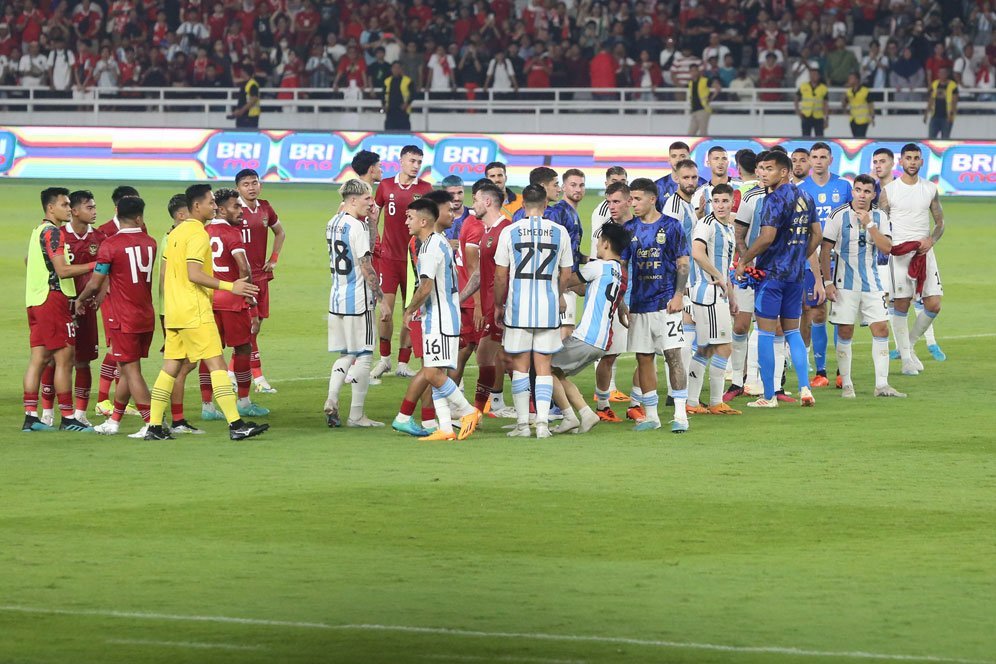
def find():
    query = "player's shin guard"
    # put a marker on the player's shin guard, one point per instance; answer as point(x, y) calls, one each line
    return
point(338, 376)
point(485, 379)
point(924, 320)
point(844, 360)
point(441, 401)
point(107, 369)
point(65, 400)
point(48, 387)
point(31, 404)
point(800, 358)
point(635, 396)
point(697, 370)
point(544, 395)
point(880, 359)
point(255, 364)
point(81, 388)
point(928, 334)
point(243, 374)
point(766, 362)
point(820, 341)
point(404, 354)
point(902, 331)
point(753, 375)
point(520, 396)
point(650, 400)
point(204, 378)
point(359, 395)
point(161, 391)
point(612, 379)
point(738, 358)
point(779, 361)
point(385, 348)
point(717, 379)
point(223, 395)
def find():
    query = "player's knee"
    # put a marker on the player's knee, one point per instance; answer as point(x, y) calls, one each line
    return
point(933, 306)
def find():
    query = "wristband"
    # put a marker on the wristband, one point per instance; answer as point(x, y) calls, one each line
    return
point(225, 286)
point(827, 282)
point(273, 257)
point(871, 225)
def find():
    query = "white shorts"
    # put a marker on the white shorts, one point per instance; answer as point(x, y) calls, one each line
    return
point(620, 337)
point(571, 312)
point(713, 323)
point(855, 308)
point(903, 287)
point(576, 355)
point(440, 350)
point(745, 300)
point(525, 340)
point(885, 276)
point(351, 335)
point(655, 332)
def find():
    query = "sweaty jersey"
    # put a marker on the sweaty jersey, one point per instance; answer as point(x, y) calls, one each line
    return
point(471, 233)
point(186, 304)
point(441, 311)
point(606, 283)
point(226, 241)
point(749, 212)
point(348, 241)
point(534, 250)
point(836, 192)
point(652, 256)
point(856, 267)
point(681, 211)
point(489, 245)
point(256, 224)
point(667, 186)
point(719, 241)
point(81, 249)
point(909, 208)
point(394, 198)
point(127, 259)
point(790, 212)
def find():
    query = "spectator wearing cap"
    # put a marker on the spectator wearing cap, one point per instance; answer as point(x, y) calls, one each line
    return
point(700, 98)
point(812, 104)
point(397, 100)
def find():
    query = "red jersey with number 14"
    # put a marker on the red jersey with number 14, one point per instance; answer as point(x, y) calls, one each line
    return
point(226, 241)
point(256, 225)
point(489, 245)
point(394, 198)
point(82, 249)
point(128, 257)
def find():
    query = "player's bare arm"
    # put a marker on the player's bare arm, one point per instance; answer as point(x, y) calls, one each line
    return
point(740, 231)
point(472, 263)
point(418, 299)
point(883, 202)
point(279, 235)
point(815, 238)
point(761, 244)
point(501, 290)
point(93, 287)
point(623, 312)
point(829, 288)
point(676, 303)
point(938, 215)
point(565, 276)
point(240, 287)
point(371, 277)
point(472, 287)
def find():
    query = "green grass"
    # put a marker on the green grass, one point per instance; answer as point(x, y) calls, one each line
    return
point(864, 527)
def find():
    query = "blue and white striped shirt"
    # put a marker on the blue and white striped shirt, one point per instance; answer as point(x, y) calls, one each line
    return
point(534, 250)
point(857, 265)
point(441, 312)
point(601, 297)
point(348, 241)
point(719, 242)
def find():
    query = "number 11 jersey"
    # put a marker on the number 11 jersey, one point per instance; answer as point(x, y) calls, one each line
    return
point(534, 250)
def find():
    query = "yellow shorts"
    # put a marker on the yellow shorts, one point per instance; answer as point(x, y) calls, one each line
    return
point(193, 343)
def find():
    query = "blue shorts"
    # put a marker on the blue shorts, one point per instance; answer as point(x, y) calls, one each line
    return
point(778, 299)
point(810, 290)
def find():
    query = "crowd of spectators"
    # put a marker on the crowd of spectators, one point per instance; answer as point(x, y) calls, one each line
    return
point(502, 45)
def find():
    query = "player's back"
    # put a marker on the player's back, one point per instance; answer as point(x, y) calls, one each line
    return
point(226, 242)
point(749, 212)
point(394, 199)
point(112, 226)
point(791, 212)
point(678, 208)
point(130, 255)
point(186, 304)
point(909, 208)
point(441, 311)
point(534, 249)
point(82, 249)
point(605, 286)
point(348, 241)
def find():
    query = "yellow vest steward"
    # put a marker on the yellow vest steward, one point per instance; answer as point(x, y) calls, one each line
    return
point(857, 102)
point(812, 99)
point(702, 92)
point(255, 109)
point(949, 91)
point(406, 90)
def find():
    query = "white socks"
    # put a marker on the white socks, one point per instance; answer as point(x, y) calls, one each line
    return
point(338, 377)
point(844, 360)
point(360, 387)
point(520, 397)
point(880, 357)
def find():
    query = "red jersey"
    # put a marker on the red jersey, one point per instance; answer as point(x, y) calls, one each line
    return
point(470, 234)
point(82, 249)
point(127, 258)
point(489, 245)
point(226, 241)
point(394, 198)
point(113, 226)
point(256, 223)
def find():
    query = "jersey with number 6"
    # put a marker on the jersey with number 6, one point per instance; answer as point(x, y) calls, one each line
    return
point(226, 241)
point(534, 250)
point(348, 241)
point(394, 199)
point(127, 258)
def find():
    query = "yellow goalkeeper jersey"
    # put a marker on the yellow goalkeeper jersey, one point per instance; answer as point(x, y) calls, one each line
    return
point(186, 304)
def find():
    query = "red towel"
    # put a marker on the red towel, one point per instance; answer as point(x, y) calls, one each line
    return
point(918, 264)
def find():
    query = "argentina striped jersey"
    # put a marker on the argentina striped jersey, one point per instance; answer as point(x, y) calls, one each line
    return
point(348, 241)
point(534, 250)
point(601, 297)
point(857, 265)
point(441, 311)
point(718, 239)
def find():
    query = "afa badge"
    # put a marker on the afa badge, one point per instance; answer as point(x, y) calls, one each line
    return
point(835, 197)
point(661, 237)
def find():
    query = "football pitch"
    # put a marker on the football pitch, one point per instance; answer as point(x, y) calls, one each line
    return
point(857, 531)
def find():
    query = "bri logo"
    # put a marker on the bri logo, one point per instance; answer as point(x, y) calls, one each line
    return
point(389, 147)
point(7, 145)
point(230, 152)
point(311, 156)
point(970, 167)
point(463, 155)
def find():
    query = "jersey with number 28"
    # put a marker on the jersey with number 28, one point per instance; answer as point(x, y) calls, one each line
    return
point(534, 250)
point(348, 241)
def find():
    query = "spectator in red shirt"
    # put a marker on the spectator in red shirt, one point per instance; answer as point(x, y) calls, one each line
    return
point(539, 68)
point(770, 75)
point(200, 66)
point(7, 41)
point(29, 24)
point(602, 69)
point(647, 75)
point(129, 71)
point(86, 19)
point(160, 30)
point(352, 69)
point(936, 61)
point(235, 43)
point(420, 11)
point(217, 22)
point(306, 23)
point(463, 26)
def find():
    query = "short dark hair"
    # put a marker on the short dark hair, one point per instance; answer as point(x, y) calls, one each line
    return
point(802, 150)
point(131, 207)
point(425, 205)
point(746, 160)
point(196, 192)
point(490, 189)
point(885, 151)
point(541, 175)
point(496, 164)
point(618, 237)
point(820, 146)
point(412, 149)
point(48, 196)
point(685, 163)
point(534, 196)
point(910, 147)
point(221, 196)
point(479, 184)
point(573, 173)
point(716, 148)
point(865, 179)
point(615, 170)
point(121, 192)
point(79, 197)
point(780, 158)
point(440, 197)
point(245, 173)
point(175, 203)
point(363, 161)
point(778, 148)
point(723, 188)
point(761, 156)
point(679, 145)
point(646, 185)
point(617, 187)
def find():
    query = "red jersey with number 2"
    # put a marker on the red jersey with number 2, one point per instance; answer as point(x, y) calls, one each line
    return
point(394, 198)
point(129, 256)
point(226, 241)
point(256, 225)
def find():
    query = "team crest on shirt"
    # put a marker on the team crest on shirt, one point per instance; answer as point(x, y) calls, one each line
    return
point(93, 248)
point(835, 197)
point(661, 237)
point(266, 220)
point(822, 197)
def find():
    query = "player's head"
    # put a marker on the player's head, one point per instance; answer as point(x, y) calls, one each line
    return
point(574, 185)
point(911, 159)
point(618, 197)
point(773, 168)
point(719, 161)
point(247, 182)
point(228, 205)
point(497, 173)
point(643, 193)
point(83, 206)
point(883, 161)
point(121, 192)
point(778, 148)
point(131, 212)
point(678, 151)
point(722, 200)
point(612, 242)
point(487, 199)
point(746, 163)
point(411, 160)
point(686, 174)
point(443, 201)
point(546, 177)
point(421, 216)
point(800, 163)
point(863, 192)
point(820, 158)
point(200, 202)
point(534, 199)
point(357, 198)
point(454, 187)
point(177, 208)
point(615, 174)
point(55, 203)
point(367, 164)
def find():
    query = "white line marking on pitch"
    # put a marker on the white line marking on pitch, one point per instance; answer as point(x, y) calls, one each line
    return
point(182, 644)
point(444, 631)
point(505, 658)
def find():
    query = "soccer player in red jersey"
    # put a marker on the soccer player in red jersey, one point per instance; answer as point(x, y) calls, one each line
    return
point(236, 317)
point(467, 235)
point(126, 260)
point(258, 220)
point(48, 286)
point(393, 197)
